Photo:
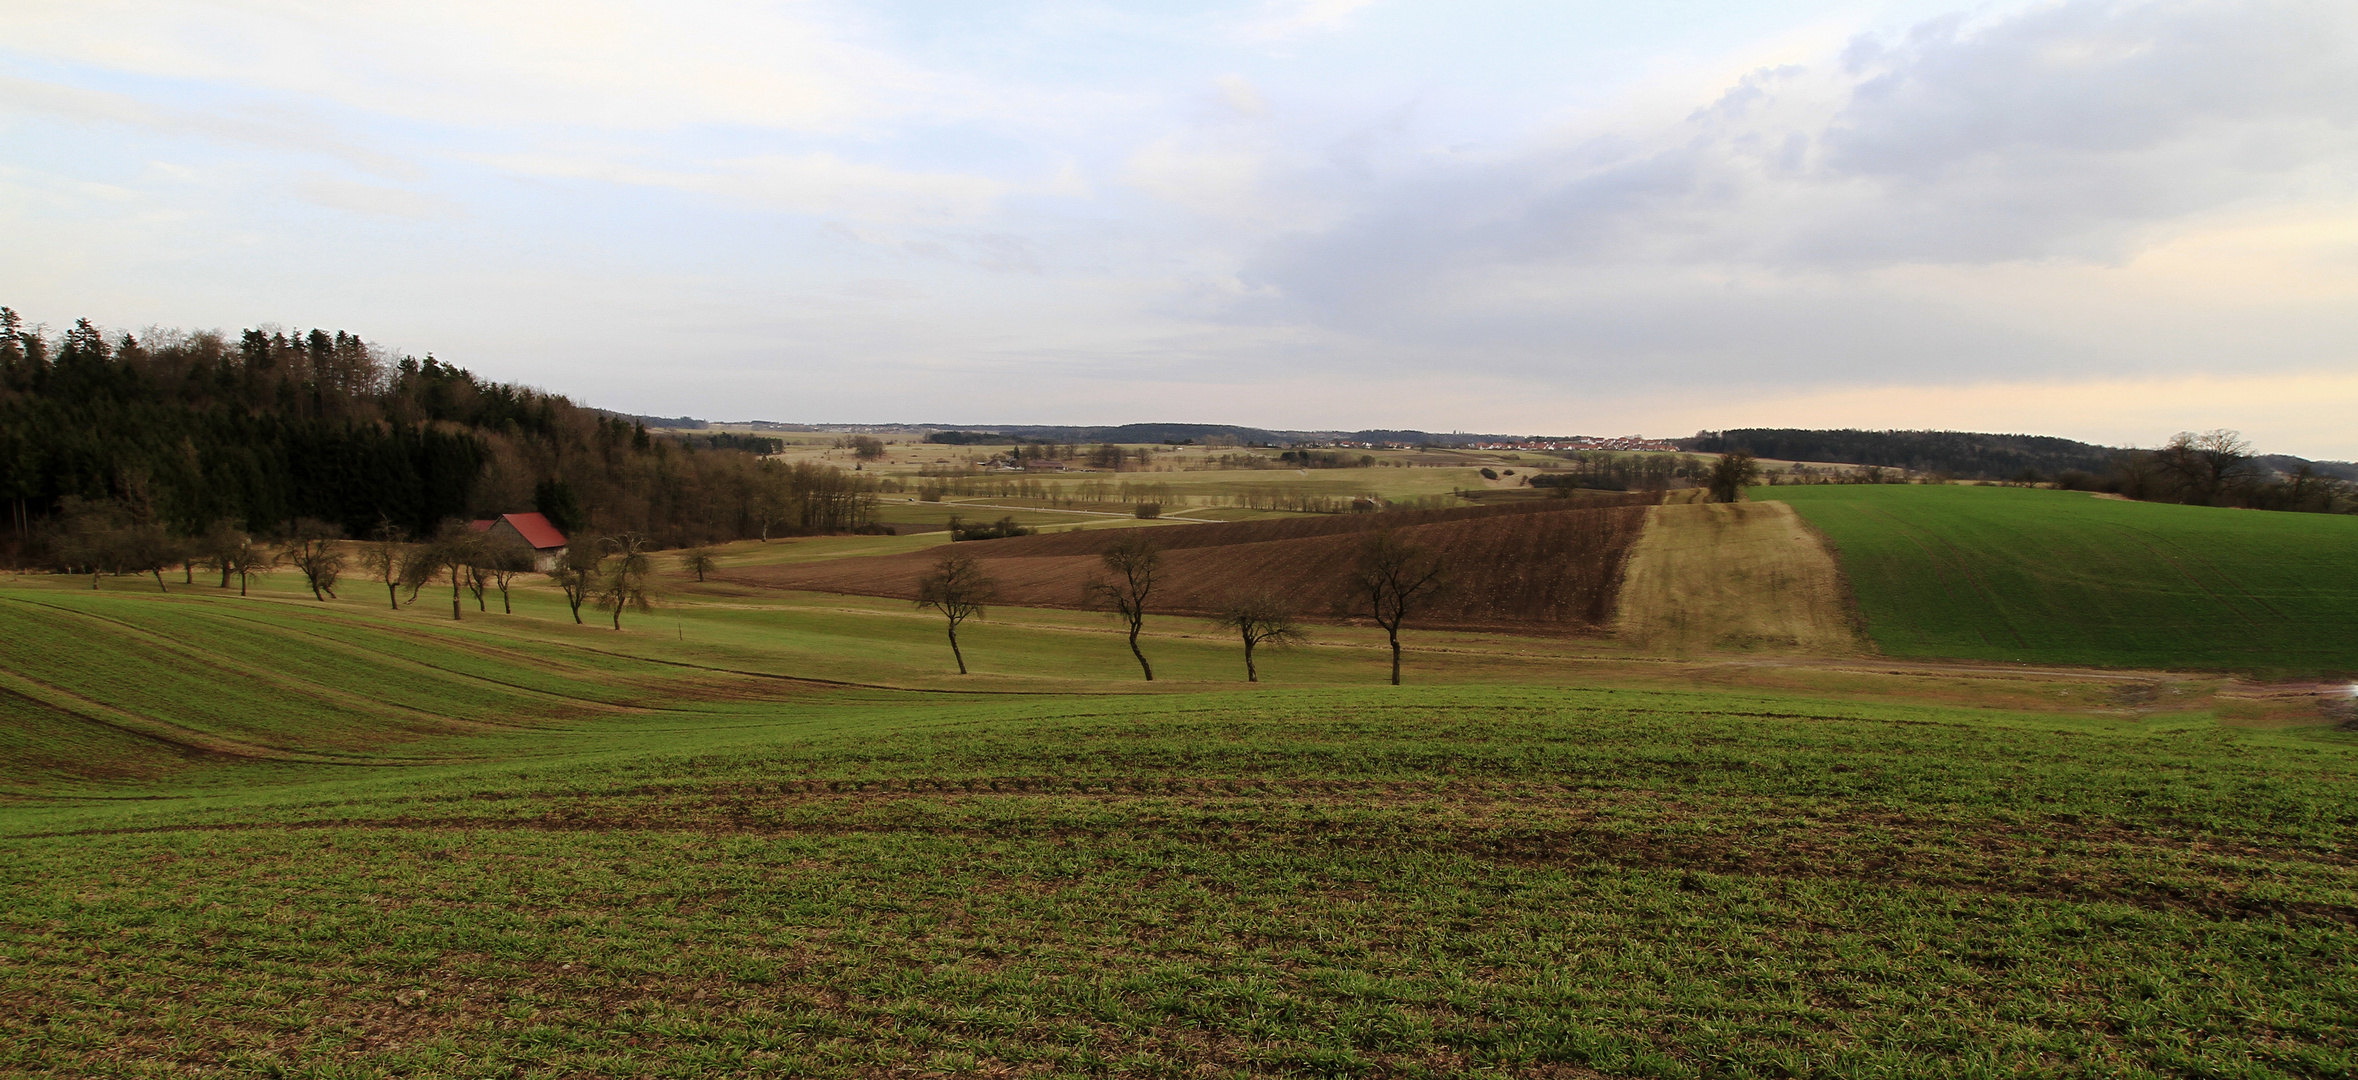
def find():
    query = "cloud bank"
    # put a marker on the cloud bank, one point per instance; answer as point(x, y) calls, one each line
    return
point(1541, 217)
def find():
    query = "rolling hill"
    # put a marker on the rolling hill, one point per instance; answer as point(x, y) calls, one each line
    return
point(2058, 577)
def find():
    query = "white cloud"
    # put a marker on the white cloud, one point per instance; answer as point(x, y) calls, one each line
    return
point(375, 199)
point(1279, 20)
point(815, 183)
point(281, 132)
point(1765, 228)
point(601, 63)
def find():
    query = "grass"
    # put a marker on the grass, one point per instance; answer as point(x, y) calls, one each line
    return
point(350, 842)
point(2056, 577)
point(1733, 577)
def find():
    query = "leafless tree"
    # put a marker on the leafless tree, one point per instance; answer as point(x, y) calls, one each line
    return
point(311, 548)
point(456, 549)
point(504, 560)
point(578, 575)
point(240, 557)
point(1260, 618)
point(382, 557)
point(1390, 580)
point(419, 564)
point(89, 534)
point(217, 547)
point(699, 561)
point(1133, 560)
point(622, 575)
point(2209, 464)
point(1731, 474)
point(146, 548)
point(958, 589)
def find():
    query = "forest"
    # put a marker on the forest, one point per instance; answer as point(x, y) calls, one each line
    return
point(1963, 454)
point(189, 431)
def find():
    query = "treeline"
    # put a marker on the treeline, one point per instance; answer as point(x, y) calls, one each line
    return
point(186, 431)
point(1603, 471)
point(1962, 454)
point(2215, 468)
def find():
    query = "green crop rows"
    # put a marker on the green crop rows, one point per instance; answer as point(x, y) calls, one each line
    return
point(2058, 577)
point(483, 856)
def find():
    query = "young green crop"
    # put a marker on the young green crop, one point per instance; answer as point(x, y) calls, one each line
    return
point(524, 857)
point(2059, 577)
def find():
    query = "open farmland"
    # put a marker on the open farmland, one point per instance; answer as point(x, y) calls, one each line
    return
point(513, 847)
point(1548, 565)
point(2058, 577)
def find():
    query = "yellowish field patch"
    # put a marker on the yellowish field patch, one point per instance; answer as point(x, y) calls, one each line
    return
point(1734, 577)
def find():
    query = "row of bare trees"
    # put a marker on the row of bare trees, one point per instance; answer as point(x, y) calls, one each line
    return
point(111, 536)
point(1389, 581)
point(612, 574)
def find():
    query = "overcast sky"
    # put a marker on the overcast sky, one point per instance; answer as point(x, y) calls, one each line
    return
point(2109, 221)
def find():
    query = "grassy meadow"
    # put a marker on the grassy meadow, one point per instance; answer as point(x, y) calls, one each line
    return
point(769, 835)
point(2059, 577)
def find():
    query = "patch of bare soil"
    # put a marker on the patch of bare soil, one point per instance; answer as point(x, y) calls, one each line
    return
point(1550, 565)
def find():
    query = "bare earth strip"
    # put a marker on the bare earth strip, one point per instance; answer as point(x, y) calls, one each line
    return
point(1734, 577)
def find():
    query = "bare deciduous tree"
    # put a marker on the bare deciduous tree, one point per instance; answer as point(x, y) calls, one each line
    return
point(456, 549)
point(144, 547)
point(504, 560)
point(382, 557)
point(240, 557)
point(89, 534)
point(699, 561)
point(311, 548)
point(1133, 559)
point(1259, 618)
point(958, 589)
point(2207, 465)
point(622, 575)
point(577, 574)
point(1390, 580)
point(1731, 474)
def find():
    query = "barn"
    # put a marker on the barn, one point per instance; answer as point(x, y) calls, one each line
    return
point(536, 532)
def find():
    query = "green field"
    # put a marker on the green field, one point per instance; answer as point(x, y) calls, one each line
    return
point(274, 837)
point(2059, 577)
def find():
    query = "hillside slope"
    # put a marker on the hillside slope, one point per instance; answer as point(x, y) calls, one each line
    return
point(1544, 565)
point(1461, 881)
point(2060, 577)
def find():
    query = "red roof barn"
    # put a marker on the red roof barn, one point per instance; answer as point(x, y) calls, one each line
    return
point(533, 529)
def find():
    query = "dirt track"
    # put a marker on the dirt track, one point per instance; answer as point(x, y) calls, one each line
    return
point(1545, 566)
point(1721, 577)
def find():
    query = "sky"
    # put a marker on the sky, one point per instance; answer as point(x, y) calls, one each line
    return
point(2106, 221)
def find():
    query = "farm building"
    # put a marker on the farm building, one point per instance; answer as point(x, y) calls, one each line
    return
point(537, 533)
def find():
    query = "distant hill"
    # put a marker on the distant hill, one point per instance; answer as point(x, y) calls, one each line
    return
point(1973, 455)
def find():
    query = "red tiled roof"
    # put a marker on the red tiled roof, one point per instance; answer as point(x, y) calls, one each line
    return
point(535, 529)
point(483, 525)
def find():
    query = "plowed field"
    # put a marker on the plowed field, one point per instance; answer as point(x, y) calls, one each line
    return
point(1545, 565)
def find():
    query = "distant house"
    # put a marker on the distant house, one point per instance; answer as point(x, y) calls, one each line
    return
point(535, 531)
point(1043, 465)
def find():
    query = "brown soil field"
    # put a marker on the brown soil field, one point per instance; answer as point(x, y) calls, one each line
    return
point(1551, 566)
point(1722, 577)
